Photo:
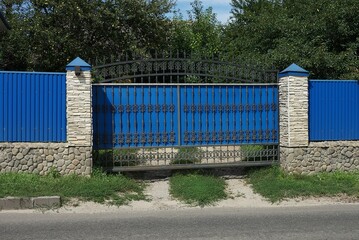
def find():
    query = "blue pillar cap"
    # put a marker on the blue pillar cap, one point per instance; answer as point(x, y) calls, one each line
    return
point(84, 66)
point(294, 70)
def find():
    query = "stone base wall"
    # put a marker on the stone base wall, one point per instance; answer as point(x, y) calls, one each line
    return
point(321, 157)
point(41, 158)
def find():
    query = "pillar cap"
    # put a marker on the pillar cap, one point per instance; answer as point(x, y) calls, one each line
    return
point(294, 70)
point(84, 66)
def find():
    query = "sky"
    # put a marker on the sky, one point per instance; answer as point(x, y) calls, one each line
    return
point(221, 8)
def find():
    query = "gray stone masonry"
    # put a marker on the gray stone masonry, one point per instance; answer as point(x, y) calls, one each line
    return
point(43, 157)
point(321, 157)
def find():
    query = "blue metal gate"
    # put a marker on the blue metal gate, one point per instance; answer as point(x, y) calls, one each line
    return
point(143, 125)
point(184, 115)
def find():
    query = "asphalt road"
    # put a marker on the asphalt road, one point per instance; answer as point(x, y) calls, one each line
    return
point(325, 222)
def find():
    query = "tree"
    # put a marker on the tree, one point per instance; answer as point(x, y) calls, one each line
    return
point(320, 35)
point(47, 34)
point(201, 33)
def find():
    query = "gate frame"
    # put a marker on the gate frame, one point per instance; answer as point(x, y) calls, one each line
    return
point(182, 62)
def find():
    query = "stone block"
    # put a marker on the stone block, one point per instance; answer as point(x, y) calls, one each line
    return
point(19, 156)
point(9, 203)
point(47, 202)
point(60, 163)
point(26, 203)
point(25, 151)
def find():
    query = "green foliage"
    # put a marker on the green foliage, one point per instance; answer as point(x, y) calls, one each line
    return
point(251, 152)
point(276, 185)
point(201, 33)
point(114, 189)
point(116, 157)
point(187, 155)
point(47, 34)
point(53, 173)
point(197, 189)
point(319, 35)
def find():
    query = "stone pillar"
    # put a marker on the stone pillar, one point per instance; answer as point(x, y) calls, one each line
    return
point(79, 111)
point(293, 115)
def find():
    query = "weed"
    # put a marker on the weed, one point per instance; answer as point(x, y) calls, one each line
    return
point(116, 157)
point(276, 185)
point(187, 155)
point(98, 188)
point(197, 189)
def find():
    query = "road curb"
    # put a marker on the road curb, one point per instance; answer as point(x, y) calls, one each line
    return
point(14, 203)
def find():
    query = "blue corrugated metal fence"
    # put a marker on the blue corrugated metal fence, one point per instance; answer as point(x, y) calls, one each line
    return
point(333, 110)
point(32, 107)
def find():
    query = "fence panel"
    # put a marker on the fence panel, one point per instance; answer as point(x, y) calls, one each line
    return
point(32, 107)
point(165, 115)
point(333, 110)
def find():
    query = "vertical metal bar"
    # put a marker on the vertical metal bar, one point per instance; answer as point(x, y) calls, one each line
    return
point(150, 116)
point(135, 111)
point(143, 109)
point(254, 107)
point(193, 133)
point(214, 133)
point(274, 115)
point(165, 122)
point(113, 124)
point(207, 109)
point(221, 122)
point(200, 115)
point(128, 110)
point(260, 115)
point(267, 108)
point(104, 125)
point(177, 69)
point(113, 117)
point(179, 115)
point(247, 115)
point(122, 121)
point(234, 132)
point(164, 67)
point(278, 112)
point(172, 122)
point(220, 114)
point(104, 116)
point(120, 105)
point(227, 134)
point(154, 62)
point(157, 136)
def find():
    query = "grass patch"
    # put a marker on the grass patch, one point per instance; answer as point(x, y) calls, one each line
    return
point(197, 189)
point(275, 185)
point(187, 155)
point(251, 152)
point(113, 189)
point(258, 152)
point(117, 157)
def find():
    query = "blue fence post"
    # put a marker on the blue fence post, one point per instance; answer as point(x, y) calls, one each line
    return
point(293, 115)
point(79, 111)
